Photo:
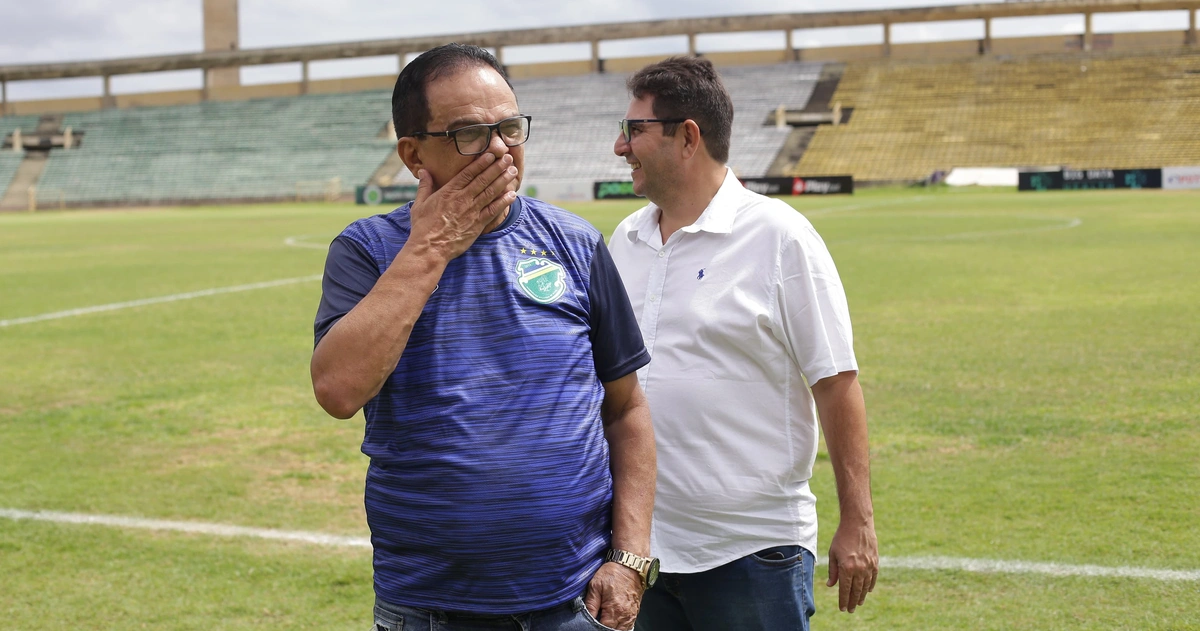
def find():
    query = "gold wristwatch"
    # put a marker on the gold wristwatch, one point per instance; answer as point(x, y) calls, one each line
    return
point(647, 567)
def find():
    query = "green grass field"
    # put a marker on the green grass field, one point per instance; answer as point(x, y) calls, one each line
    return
point(1029, 362)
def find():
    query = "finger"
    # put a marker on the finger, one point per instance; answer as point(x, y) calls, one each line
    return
point(424, 185)
point(496, 187)
point(844, 586)
point(833, 570)
point(492, 210)
point(591, 600)
point(856, 593)
point(472, 171)
point(864, 589)
point(480, 181)
point(617, 614)
point(874, 575)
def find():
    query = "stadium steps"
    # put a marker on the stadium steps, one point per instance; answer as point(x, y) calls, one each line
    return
point(1099, 110)
point(391, 170)
point(819, 103)
point(792, 151)
point(10, 161)
point(27, 173)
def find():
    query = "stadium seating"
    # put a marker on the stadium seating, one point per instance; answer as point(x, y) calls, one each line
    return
point(236, 150)
point(25, 123)
point(261, 149)
point(575, 121)
point(912, 118)
point(9, 161)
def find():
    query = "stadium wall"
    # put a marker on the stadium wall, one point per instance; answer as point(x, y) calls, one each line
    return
point(956, 49)
point(595, 34)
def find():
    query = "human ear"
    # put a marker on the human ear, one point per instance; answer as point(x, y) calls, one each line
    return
point(409, 151)
point(691, 138)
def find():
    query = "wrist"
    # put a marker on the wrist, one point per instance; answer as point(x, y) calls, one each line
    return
point(628, 571)
point(425, 254)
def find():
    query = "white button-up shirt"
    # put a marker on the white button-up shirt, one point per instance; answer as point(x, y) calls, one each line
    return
point(740, 311)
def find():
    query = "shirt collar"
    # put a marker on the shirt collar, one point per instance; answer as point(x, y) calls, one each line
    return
point(717, 217)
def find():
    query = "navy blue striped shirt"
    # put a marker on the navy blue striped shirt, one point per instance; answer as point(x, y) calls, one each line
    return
point(489, 488)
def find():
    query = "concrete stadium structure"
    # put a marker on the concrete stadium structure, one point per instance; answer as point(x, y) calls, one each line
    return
point(595, 34)
point(111, 149)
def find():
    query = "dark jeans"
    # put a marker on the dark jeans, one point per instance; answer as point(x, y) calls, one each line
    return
point(572, 616)
point(770, 590)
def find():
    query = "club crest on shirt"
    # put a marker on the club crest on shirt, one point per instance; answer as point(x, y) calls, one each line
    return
point(542, 279)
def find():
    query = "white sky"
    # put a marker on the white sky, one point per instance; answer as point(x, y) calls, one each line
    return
point(39, 31)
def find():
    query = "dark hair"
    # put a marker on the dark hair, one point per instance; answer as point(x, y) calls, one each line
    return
point(410, 107)
point(689, 87)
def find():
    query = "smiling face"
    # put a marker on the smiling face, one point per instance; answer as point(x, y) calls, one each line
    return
point(652, 156)
point(469, 96)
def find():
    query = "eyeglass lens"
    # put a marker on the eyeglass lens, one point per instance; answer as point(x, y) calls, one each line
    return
point(474, 139)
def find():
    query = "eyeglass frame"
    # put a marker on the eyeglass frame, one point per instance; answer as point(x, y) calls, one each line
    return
point(627, 123)
point(493, 127)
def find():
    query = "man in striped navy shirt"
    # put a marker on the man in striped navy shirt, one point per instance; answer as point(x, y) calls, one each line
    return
point(492, 348)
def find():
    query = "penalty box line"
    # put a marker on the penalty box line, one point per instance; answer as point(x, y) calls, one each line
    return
point(157, 300)
point(933, 563)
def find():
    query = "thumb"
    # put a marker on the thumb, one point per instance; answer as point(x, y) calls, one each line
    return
point(591, 600)
point(424, 185)
point(833, 569)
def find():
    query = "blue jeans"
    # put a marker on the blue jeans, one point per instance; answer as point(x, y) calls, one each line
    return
point(770, 590)
point(572, 616)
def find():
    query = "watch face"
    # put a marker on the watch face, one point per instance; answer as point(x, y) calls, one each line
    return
point(652, 573)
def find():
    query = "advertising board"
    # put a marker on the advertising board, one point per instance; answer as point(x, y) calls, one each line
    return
point(373, 195)
point(1177, 178)
point(824, 185)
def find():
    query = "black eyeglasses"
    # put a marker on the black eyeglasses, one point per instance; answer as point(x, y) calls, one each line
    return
point(628, 123)
point(473, 140)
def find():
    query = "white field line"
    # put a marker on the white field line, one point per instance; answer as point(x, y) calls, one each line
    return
point(988, 566)
point(983, 566)
point(220, 530)
point(298, 241)
point(153, 301)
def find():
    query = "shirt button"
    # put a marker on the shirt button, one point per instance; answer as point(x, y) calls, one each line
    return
point(653, 298)
point(662, 253)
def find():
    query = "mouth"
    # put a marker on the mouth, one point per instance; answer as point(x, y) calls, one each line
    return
point(634, 166)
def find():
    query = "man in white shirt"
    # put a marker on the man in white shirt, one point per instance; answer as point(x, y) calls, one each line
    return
point(744, 313)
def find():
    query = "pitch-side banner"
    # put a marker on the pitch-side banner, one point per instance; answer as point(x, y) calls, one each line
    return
point(373, 195)
point(1089, 179)
point(1181, 177)
point(830, 185)
point(613, 190)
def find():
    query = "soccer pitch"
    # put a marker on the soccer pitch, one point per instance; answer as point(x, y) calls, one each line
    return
point(1030, 363)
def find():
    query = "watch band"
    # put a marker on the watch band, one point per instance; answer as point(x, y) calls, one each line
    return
point(646, 567)
point(630, 560)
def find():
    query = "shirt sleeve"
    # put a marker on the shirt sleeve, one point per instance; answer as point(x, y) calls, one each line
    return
point(617, 345)
point(811, 309)
point(350, 273)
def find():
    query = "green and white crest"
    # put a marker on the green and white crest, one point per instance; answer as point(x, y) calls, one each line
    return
point(542, 279)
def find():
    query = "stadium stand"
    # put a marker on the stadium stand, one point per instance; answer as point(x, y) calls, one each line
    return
point(261, 149)
point(1112, 110)
point(9, 123)
point(575, 122)
point(256, 149)
point(9, 161)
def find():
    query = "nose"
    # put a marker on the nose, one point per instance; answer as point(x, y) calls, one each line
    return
point(496, 144)
point(620, 147)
